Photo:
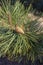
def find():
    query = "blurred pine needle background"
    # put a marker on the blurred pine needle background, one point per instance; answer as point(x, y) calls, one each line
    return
point(21, 31)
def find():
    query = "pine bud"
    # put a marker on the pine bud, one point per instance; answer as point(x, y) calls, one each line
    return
point(19, 30)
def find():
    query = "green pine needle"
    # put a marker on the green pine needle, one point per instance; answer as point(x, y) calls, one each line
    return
point(15, 45)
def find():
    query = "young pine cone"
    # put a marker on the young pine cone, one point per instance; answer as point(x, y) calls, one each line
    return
point(19, 29)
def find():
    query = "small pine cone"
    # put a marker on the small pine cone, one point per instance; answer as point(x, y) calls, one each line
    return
point(19, 30)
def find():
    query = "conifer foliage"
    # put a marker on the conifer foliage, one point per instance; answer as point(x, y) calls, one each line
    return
point(16, 39)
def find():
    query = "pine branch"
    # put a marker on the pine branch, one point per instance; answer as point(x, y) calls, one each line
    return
point(17, 36)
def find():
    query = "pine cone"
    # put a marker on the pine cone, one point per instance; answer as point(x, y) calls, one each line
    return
point(19, 30)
